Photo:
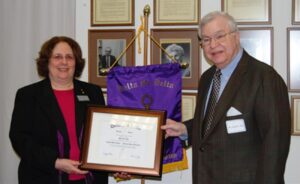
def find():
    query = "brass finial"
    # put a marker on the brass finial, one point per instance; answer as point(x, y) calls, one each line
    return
point(104, 71)
point(147, 10)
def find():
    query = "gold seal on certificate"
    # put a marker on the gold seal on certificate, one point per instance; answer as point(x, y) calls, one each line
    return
point(123, 140)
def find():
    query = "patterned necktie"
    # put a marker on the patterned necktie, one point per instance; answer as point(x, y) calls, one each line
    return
point(213, 99)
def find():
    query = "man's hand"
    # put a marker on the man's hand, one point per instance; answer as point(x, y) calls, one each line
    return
point(174, 128)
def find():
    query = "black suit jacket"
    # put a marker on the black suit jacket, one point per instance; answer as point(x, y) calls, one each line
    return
point(104, 64)
point(39, 135)
point(256, 156)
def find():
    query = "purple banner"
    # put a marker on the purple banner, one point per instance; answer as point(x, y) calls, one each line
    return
point(156, 87)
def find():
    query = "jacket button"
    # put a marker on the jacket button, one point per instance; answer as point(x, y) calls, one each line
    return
point(202, 149)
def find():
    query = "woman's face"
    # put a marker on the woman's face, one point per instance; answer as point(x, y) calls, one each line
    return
point(62, 63)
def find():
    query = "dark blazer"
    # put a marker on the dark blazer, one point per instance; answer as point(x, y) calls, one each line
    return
point(256, 156)
point(104, 64)
point(39, 135)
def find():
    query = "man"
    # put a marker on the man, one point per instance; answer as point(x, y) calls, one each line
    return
point(244, 136)
point(177, 52)
point(107, 59)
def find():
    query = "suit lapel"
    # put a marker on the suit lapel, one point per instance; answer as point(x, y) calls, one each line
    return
point(204, 89)
point(229, 92)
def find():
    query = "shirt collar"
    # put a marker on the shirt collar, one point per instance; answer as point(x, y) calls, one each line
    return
point(228, 70)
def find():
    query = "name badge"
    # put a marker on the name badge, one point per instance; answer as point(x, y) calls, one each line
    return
point(235, 126)
point(83, 98)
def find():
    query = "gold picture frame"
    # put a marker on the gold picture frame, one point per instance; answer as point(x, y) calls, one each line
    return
point(296, 12)
point(112, 13)
point(296, 115)
point(249, 11)
point(170, 12)
point(188, 101)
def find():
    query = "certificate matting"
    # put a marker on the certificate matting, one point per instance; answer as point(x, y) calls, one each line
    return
point(128, 140)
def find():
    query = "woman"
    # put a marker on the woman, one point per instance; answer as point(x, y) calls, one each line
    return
point(48, 118)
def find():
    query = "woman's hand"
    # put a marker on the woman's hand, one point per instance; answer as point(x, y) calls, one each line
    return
point(174, 128)
point(68, 166)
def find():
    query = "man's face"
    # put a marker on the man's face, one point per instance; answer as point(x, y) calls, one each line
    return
point(221, 44)
point(107, 52)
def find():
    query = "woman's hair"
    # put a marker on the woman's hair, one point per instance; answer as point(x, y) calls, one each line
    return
point(211, 16)
point(46, 52)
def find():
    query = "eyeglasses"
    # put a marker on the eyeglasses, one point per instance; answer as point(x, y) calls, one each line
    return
point(219, 38)
point(60, 57)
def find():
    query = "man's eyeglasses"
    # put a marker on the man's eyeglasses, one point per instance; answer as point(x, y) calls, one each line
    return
point(219, 38)
point(59, 57)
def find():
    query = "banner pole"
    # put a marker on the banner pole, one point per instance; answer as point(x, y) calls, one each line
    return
point(146, 17)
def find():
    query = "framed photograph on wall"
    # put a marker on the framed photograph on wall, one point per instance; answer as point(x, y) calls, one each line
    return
point(183, 45)
point(188, 106)
point(170, 12)
point(105, 47)
point(112, 13)
point(293, 57)
point(296, 12)
point(258, 42)
point(296, 115)
point(249, 11)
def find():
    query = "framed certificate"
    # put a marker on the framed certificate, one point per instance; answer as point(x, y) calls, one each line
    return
point(123, 140)
point(105, 47)
point(112, 13)
point(188, 101)
point(296, 12)
point(293, 58)
point(183, 45)
point(258, 42)
point(249, 11)
point(176, 12)
point(295, 115)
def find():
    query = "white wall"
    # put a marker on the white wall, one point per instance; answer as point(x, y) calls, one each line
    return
point(24, 26)
point(281, 19)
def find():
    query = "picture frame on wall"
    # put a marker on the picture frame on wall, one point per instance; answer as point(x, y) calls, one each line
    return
point(183, 42)
point(295, 114)
point(112, 13)
point(293, 57)
point(188, 106)
point(170, 12)
point(296, 12)
point(249, 11)
point(113, 41)
point(258, 42)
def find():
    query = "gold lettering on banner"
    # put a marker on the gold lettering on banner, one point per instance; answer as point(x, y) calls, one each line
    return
point(143, 83)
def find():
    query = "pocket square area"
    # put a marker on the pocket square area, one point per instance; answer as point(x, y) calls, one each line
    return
point(233, 112)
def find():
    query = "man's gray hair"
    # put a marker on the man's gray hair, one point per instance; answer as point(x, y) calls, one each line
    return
point(211, 16)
